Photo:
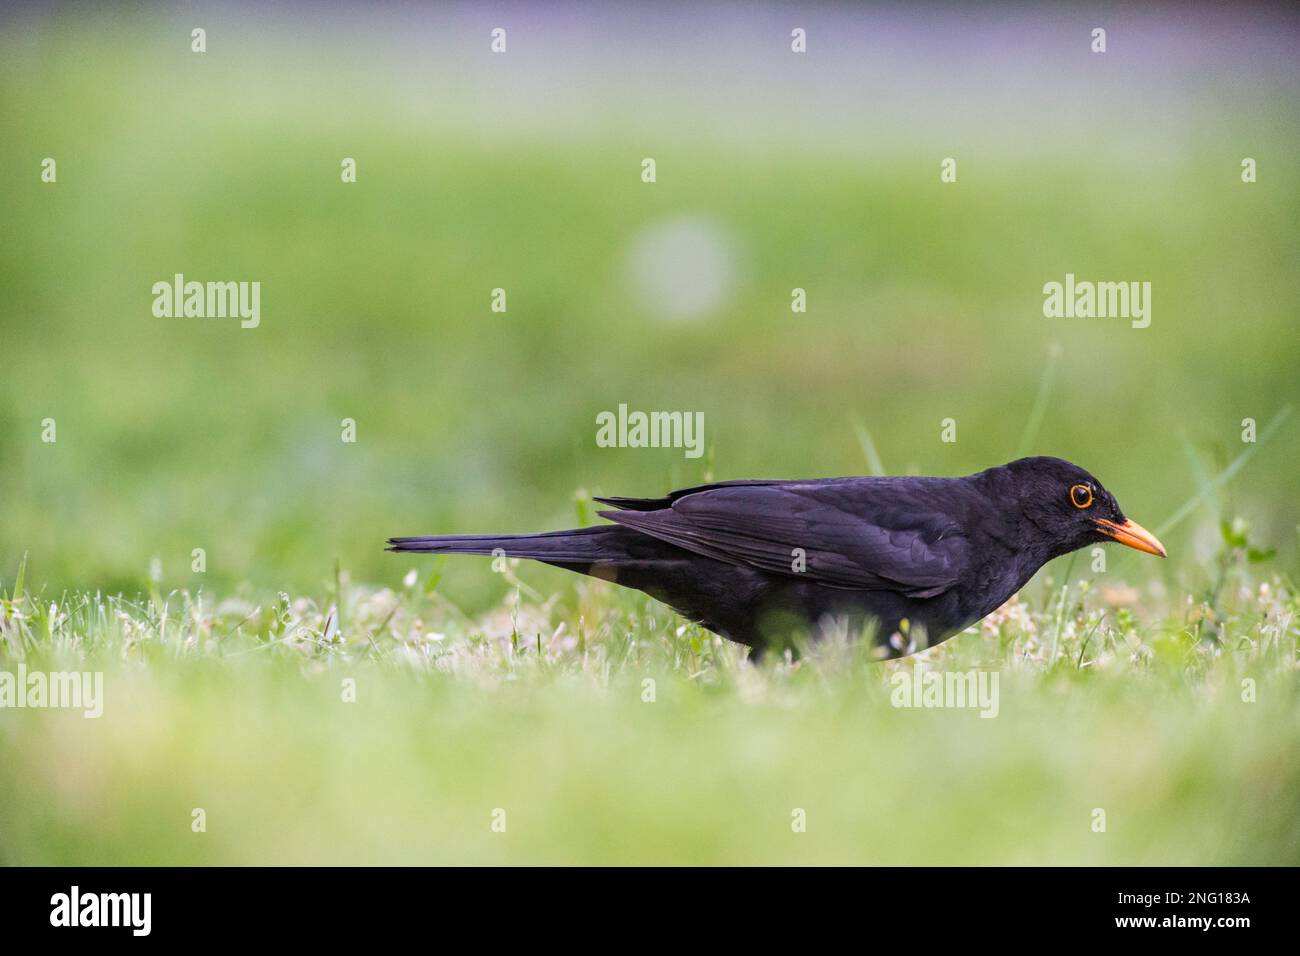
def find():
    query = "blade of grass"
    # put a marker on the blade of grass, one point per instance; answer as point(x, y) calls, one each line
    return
point(1045, 383)
point(1231, 469)
point(874, 464)
point(1201, 473)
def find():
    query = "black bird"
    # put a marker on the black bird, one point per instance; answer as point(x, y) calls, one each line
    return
point(924, 557)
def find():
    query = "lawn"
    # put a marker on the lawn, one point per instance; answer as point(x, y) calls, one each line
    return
point(198, 511)
point(368, 725)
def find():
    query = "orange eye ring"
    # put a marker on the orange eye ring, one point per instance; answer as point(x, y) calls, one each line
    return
point(1081, 496)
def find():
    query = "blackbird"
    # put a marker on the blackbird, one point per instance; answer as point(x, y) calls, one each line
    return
point(911, 560)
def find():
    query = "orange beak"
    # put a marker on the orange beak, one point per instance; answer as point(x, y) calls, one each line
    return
point(1133, 535)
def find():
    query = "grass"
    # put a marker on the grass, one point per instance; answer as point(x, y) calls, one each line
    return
point(924, 302)
point(1120, 690)
point(610, 732)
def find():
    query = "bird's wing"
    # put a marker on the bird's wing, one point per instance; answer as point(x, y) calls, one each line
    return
point(665, 501)
point(874, 534)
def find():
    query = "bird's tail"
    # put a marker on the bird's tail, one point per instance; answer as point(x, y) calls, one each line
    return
point(578, 546)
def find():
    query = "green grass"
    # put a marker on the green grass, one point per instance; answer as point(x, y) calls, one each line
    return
point(924, 303)
point(524, 691)
point(539, 709)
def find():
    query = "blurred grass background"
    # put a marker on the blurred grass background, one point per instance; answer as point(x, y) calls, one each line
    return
point(886, 787)
point(386, 730)
point(522, 171)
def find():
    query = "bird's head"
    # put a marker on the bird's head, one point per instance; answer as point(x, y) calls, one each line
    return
point(1071, 508)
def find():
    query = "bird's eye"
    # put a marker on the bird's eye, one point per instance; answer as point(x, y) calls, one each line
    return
point(1081, 496)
